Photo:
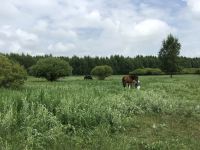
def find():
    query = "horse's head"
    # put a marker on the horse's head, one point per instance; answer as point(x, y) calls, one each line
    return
point(137, 83)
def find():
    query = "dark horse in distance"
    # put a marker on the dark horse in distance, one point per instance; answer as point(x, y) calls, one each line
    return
point(87, 77)
point(130, 80)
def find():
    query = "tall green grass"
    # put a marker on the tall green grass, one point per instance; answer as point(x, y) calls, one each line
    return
point(77, 114)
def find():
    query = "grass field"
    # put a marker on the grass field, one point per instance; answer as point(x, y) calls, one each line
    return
point(76, 114)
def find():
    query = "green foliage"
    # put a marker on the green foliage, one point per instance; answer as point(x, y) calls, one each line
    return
point(101, 72)
point(51, 68)
point(197, 71)
point(25, 60)
point(121, 65)
point(147, 71)
point(11, 74)
point(168, 55)
point(190, 70)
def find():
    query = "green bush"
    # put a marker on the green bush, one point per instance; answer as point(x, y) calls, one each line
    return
point(147, 71)
point(51, 68)
point(11, 74)
point(190, 71)
point(101, 72)
point(198, 71)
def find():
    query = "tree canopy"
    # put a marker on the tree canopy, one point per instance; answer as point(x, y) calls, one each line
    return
point(120, 64)
point(51, 68)
point(101, 72)
point(169, 55)
point(11, 73)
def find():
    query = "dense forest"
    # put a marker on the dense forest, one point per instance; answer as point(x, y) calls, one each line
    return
point(119, 64)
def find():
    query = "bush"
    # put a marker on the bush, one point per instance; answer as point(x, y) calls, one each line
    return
point(101, 72)
point(51, 68)
point(190, 71)
point(147, 71)
point(11, 74)
point(198, 71)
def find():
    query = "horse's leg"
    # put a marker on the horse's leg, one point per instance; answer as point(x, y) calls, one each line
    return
point(123, 82)
point(132, 83)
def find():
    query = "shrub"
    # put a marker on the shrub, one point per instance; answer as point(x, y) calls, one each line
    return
point(198, 71)
point(101, 72)
point(51, 68)
point(147, 71)
point(190, 71)
point(11, 74)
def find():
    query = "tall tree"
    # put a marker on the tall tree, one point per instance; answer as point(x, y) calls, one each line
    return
point(169, 55)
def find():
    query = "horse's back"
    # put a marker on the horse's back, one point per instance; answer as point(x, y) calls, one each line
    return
point(127, 79)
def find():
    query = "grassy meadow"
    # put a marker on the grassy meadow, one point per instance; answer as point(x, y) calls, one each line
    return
point(73, 113)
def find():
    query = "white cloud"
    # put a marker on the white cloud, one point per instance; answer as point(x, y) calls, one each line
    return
point(64, 27)
point(5, 31)
point(16, 39)
point(61, 48)
point(25, 36)
point(41, 26)
point(63, 34)
point(14, 47)
point(194, 5)
point(151, 27)
point(1, 43)
point(8, 9)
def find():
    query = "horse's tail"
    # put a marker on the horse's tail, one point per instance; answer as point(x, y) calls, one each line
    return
point(123, 82)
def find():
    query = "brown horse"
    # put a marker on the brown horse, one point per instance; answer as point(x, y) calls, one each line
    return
point(129, 80)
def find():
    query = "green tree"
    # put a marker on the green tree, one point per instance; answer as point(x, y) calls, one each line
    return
point(169, 55)
point(11, 73)
point(25, 60)
point(120, 64)
point(51, 68)
point(101, 72)
point(76, 65)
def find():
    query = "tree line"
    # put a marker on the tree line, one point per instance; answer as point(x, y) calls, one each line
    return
point(120, 64)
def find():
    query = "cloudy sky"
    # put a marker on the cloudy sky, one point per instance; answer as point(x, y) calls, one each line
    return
point(98, 27)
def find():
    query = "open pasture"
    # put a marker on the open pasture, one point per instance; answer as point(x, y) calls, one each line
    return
point(73, 113)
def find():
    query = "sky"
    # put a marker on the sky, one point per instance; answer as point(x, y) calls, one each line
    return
point(98, 27)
